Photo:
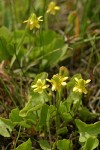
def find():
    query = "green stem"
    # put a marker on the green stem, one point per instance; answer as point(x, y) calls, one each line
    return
point(46, 22)
point(17, 138)
point(58, 99)
point(49, 135)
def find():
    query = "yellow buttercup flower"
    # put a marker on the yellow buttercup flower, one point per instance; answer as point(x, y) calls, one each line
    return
point(40, 86)
point(57, 82)
point(33, 21)
point(52, 8)
point(80, 85)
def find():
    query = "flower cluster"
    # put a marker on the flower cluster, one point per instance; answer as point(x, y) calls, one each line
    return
point(58, 81)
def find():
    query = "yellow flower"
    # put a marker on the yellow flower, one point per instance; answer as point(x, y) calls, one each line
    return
point(39, 86)
point(57, 82)
point(33, 21)
point(52, 8)
point(80, 85)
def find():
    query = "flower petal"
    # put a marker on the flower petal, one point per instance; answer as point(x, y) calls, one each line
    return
point(75, 88)
point(63, 83)
point(87, 81)
point(76, 79)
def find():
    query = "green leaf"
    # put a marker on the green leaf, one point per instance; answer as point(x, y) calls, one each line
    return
point(31, 118)
point(63, 130)
point(35, 103)
point(47, 114)
point(51, 46)
point(64, 113)
point(44, 145)
point(51, 115)
point(64, 145)
point(17, 120)
point(92, 129)
point(4, 54)
point(74, 102)
point(91, 143)
point(88, 134)
point(14, 116)
point(5, 33)
point(46, 37)
point(70, 106)
point(85, 114)
point(43, 116)
point(42, 76)
point(18, 34)
point(25, 146)
point(6, 127)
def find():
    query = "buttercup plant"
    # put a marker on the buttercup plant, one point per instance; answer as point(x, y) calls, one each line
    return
point(48, 106)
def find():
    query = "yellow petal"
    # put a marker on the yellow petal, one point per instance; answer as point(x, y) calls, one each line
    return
point(63, 83)
point(76, 79)
point(34, 86)
point(39, 18)
point(53, 88)
point(80, 90)
point(75, 89)
point(84, 91)
point(57, 8)
point(87, 81)
point(26, 21)
point(65, 78)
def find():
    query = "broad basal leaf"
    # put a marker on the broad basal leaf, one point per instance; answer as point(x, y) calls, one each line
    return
point(64, 145)
point(17, 120)
point(35, 102)
point(44, 145)
point(25, 146)
point(6, 127)
point(91, 143)
point(92, 129)
point(43, 116)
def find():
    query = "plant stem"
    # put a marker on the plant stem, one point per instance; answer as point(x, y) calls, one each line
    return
point(46, 22)
point(49, 135)
point(17, 138)
point(58, 99)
